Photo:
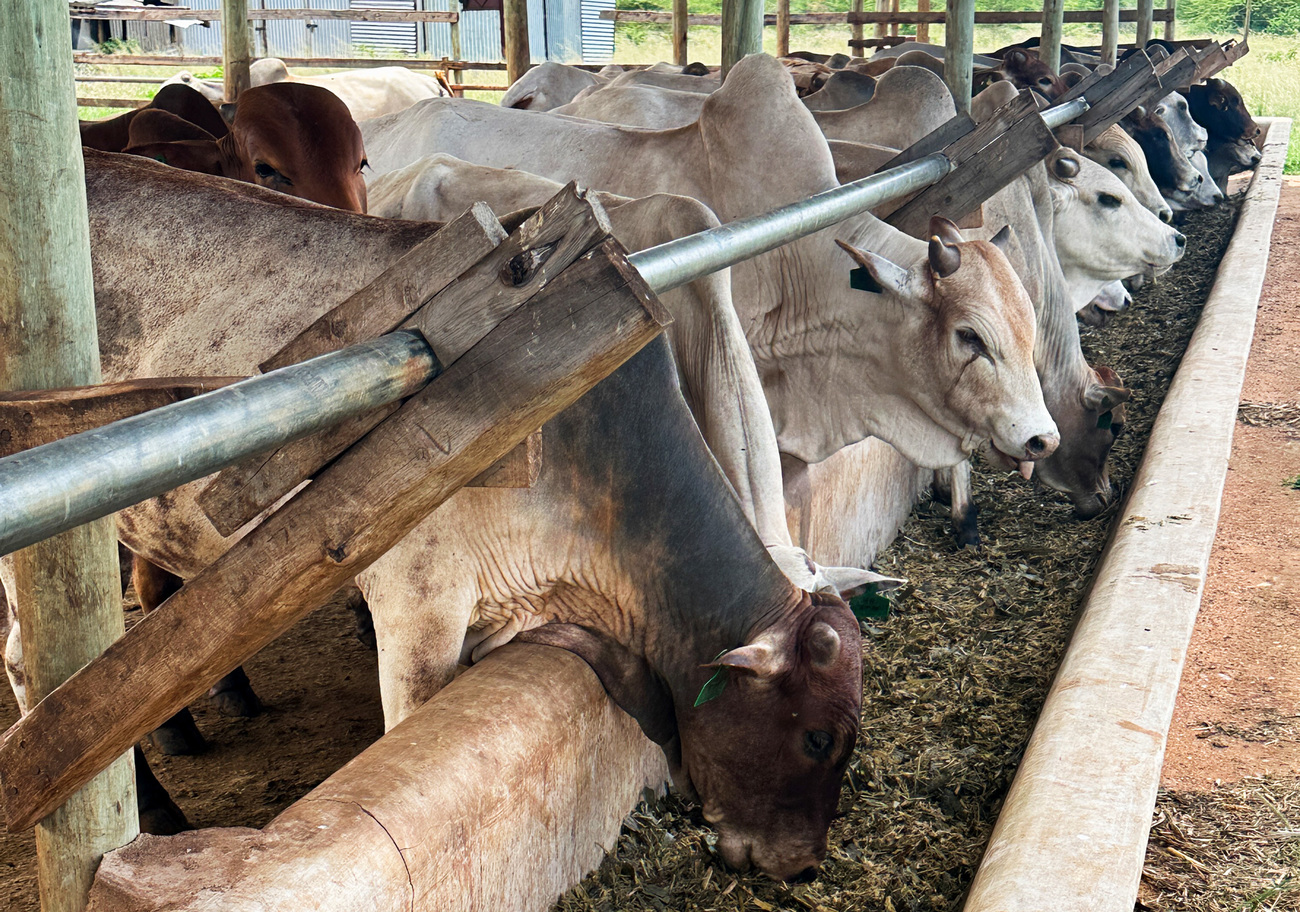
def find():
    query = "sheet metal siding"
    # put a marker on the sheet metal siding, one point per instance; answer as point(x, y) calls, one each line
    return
point(597, 33)
point(386, 38)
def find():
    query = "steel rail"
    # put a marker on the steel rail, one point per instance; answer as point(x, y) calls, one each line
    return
point(55, 487)
point(1062, 114)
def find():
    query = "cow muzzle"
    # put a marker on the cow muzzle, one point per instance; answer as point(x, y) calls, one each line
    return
point(791, 862)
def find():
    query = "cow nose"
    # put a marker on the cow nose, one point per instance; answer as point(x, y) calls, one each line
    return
point(1200, 179)
point(1166, 215)
point(1041, 445)
point(1180, 239)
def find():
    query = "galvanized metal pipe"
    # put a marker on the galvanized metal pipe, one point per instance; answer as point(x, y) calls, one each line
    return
point(1062, 114)
point(675, 263)
point(52, 488)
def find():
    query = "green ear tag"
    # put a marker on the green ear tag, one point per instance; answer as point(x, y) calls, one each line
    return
point(714, 686)
point(1104, 420)
point(870, 605)
point(862, 279)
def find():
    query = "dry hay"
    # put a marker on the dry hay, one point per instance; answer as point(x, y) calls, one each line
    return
point(1235, 849)
point(953, 680)
point(1270, 414)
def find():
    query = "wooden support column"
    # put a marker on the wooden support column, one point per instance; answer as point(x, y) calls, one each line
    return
point(1171, 10)
point(1049, 45)
point(1146, 14)
point(1109, 31)
point(69, 594)
point(742, 31)
point(236, 50)
point(680, 12)
point(923, 28)
point(857, 32)
point(783, 28)
point(457, 76)
point(882, 28)
point(518, 55)
point(959, 43)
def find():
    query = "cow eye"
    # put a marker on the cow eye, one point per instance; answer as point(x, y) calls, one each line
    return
point(971, 339)
point(1109, 200)
point(365, 163)
point(1045, 82)
point(818, 744)
point(266, 172)
point(1118, 164)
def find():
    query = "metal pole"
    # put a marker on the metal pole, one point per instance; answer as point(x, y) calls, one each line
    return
point(1062, 114)
point(1049, 44)
point(742, 31)
point(675, 263)
point(959, 51)
point(69, 594)
point(1109, 31)
point(235, 49)
point(60, 485)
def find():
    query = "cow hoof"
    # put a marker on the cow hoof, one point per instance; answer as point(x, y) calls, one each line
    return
point(233, 696)
point(179, 736)
point(163, 819)
point(966, 529)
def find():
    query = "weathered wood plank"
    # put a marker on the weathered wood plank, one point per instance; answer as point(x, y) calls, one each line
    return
point(1112, 95)
point(1210, 61)
point(419, 296)
point(520, 468)
point(30, 419)
point(1012, 141)
point(935, 141)
point(539, 360)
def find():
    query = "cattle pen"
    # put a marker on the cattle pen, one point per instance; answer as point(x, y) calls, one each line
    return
point(455, 356)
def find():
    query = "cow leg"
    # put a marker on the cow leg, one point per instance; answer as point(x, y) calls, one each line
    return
point(159, 815)
point(365, 622)
point(179, 735)
point(965, 526)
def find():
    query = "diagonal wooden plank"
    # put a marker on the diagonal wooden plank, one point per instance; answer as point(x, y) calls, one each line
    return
point(1111, 96)
point(481, 295)
point(540, 359)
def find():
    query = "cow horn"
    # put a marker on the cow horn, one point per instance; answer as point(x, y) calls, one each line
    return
point(945, 259)
point(1002, 239)
point(1066, 168)
point(763, 658)
point(823, 645)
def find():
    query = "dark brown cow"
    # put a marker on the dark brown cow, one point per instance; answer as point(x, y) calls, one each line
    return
point(1220, 109)
point(1169, 166)
point(112, 135)
point(292, 137)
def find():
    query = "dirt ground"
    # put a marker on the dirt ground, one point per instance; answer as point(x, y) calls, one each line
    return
point(321, 691)
point(1238, 711)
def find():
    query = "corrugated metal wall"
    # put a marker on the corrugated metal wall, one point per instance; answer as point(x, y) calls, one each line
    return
point(385, 39)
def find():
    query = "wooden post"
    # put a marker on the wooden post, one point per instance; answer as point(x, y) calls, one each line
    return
point(518, 56)
point(235, 49)
point(456, 75)
point(1049, 45)
point(923, 28)
point(69, 593)
point(857, 26)
point(1109, 31)
point(680, 12)
point(1171, 8)
point(1146, 14)
point(742, 31)
point(959, 51)
point(783, 28)
point(893, 26)
point(882, 28)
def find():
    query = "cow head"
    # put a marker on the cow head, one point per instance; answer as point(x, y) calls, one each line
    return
point(294, 138)
point(1207, 193)
point(1169, 165)
point(1089, 429)
point(766, 754)
point(1219, 107)
point(1120, 154)
point(963, 370)
point(1026, 71)
point(1188, 134)
point(1102, 233)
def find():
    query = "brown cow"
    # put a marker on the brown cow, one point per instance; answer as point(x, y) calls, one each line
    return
point(291, 137)
point(185, 103)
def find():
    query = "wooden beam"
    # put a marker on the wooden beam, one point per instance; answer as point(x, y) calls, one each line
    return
point(936, 140)
point(1113, 94)
point(1110, 31)
point(538, 361)
point(236, 49)
point(416, 292)
point(67, 586)
point(1209, 62)
point(982, 17)
point(783, 28)
point(881, 29)
point(959, 46)
point(742, 31)
point(515, 33)
point(680, 18)
point(1049, 44)
point(856, 27)
point(923, 28)
point(163, 14)
point(1171, 13)
point(1145, 11)
point(1008, 144)
point(362, 63)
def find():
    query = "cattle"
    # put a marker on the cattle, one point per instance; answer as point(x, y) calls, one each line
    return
point(845, 89)
point(816, 383)
point(113, 134)
point(1120, 154)
point(1207, 193)
point(1112, 299)
point(632, 543)
point(636, 106)
point(295, 138)
point(669, 77)
point(367, 92)
point(1021, 68)
point(1230, 147)
point(1188, 134)
point(1168, 164)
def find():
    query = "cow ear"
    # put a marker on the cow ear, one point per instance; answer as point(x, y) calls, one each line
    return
point(158, 126)
point(945, 229)
point(764, 658)
point(228, 111)
point(823, 644)
point(945, 258)
point(523, 101)
point(202, 156)
point(1099, 398)
point(627, 678)
point(851, 581)
point(876, 273)
point(1002, 240)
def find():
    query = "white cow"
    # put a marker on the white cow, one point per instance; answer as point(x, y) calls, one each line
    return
point(815, 339)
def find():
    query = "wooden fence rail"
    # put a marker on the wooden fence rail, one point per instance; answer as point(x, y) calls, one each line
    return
point(991, 17)
point(172, 13)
